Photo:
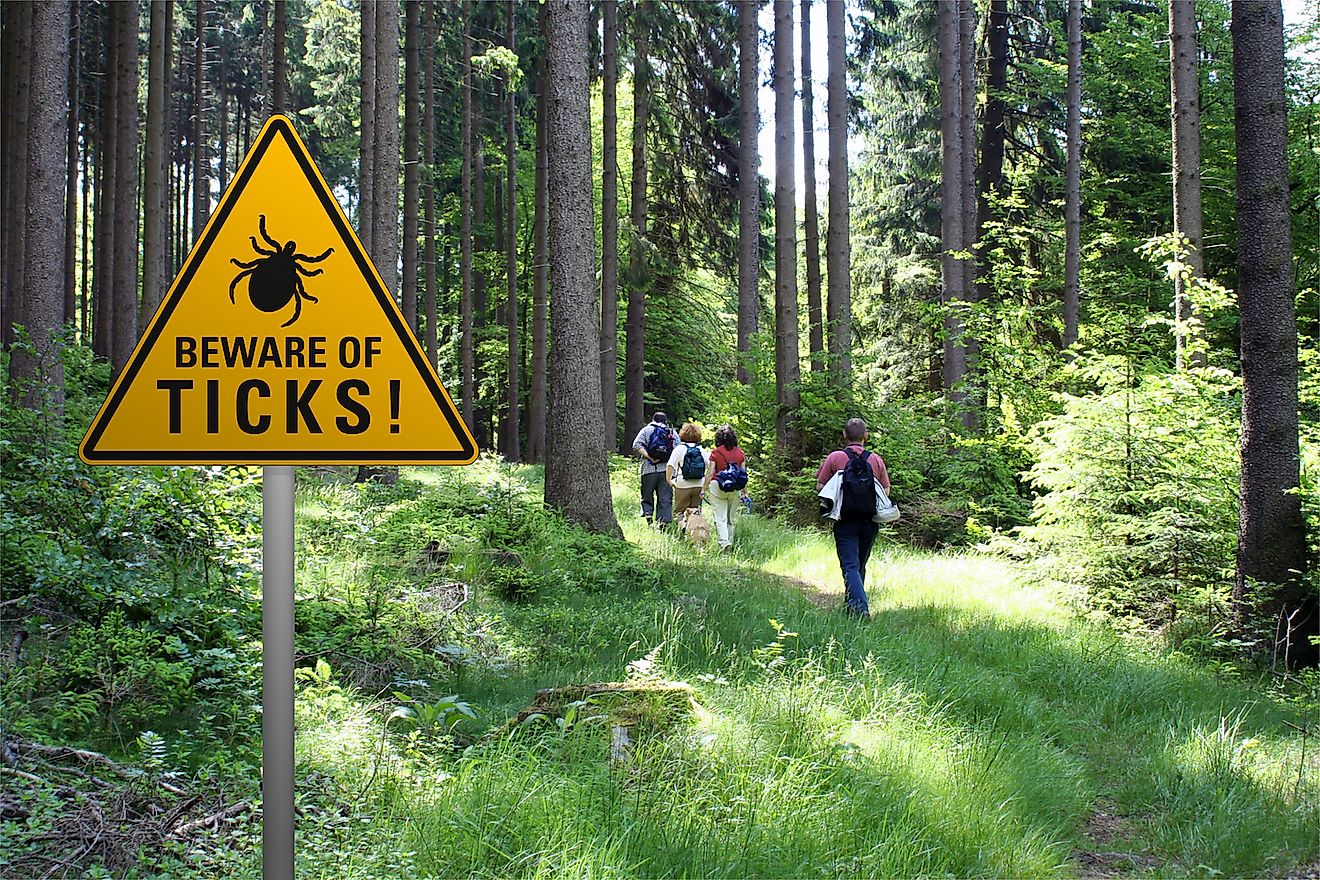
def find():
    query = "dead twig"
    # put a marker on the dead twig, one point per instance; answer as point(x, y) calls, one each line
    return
point(212, 820)
point(89, 757)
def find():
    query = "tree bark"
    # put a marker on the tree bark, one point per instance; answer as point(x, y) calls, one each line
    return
point(411, 147)
point(609, 229)
point(385, 172)
point(576, 468)
point(103, 237)
point(222, 138)
point(367, 140)
point(512, 441)
point(540, 272)
point(465, 228)
point(837, 241)
point(481, 242)
point(126, 188)
point(1072, 259)
point(638, 271)
point(428, 179)
point(786, 292)
point(201, 167)
point(1185, 107)
point(951, 196)
point(385, 186)
point(41, 301)
point(972, 402)
point(279, 76)
point(18, 85)
point(811, 223)
point(991, 173)
point(749, 182)
point(71, 174)
point(155, 164)
point(84, 300)
point(1271, 550)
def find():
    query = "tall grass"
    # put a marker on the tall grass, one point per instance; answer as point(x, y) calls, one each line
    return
point(970, 728)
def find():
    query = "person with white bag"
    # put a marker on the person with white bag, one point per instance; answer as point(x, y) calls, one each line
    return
point(853, 485)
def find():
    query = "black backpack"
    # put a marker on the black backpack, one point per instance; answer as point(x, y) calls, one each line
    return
point(660, 444)
point(858, 487)
point(694, 463)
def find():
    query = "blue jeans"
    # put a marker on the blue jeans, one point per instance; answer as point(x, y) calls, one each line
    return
point(852, 541)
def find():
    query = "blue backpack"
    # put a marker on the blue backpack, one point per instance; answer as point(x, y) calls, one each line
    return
point(731, 478)
point(694, 463)
point(660, 444)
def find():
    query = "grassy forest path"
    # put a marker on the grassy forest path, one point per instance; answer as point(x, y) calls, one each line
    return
point(973, 727)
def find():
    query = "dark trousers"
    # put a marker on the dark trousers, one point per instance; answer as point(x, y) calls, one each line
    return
point(852, 541)
point(657, 497)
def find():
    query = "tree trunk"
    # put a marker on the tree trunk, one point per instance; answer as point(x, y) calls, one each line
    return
point(222, 115)
point(837, 242)
point(481, 243)
point(385, 171)
point(41, 302)
point(749, 183)
point(991, 172)
point(71, 175)
point(10, 14)
point(635, 364)
point(279, 76)
point(367, 140)
point(465, 328)
point(385, 186)
point(609, 228)
point(428, 179)
point(155, 165)
point(126, 188)
point(786, 292)
point(103, 237)
point(951, 196)
point(1271, 548)
point(540, 272)
point(576, 468)
point(811, 223)
point(18, 84)
point(411, 147)
point(84, 300)
point(972, 400)
point(1185, 105)
point(512, 443)
point(1072, 210)
point(201, 166)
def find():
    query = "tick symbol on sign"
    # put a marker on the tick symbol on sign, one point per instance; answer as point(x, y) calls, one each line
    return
point(273, 279)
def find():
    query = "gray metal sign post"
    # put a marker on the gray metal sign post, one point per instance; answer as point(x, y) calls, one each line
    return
point(277, 672)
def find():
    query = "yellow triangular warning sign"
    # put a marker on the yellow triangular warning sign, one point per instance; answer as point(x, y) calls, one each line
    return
point(278, 343)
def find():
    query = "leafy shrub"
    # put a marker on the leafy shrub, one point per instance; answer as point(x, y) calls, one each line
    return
point(1140, 511)
point(513, 584)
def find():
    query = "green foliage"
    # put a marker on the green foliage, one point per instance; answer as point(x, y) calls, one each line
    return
point(1139, 509)
point(134, 586)
point(512, 584)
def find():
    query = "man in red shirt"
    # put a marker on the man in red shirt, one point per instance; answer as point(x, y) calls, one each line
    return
point(853, 537)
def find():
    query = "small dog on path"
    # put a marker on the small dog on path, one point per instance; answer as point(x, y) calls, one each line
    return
point(695, 527)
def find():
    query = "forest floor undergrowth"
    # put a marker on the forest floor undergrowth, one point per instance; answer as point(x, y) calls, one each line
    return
point(975, 726)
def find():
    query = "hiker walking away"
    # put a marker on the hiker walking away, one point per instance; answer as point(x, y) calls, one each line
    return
point(687, 469)
point(726, 483)
point(654, 443)
point(856, 528)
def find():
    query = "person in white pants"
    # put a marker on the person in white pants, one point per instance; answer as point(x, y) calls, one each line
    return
point(722, 503)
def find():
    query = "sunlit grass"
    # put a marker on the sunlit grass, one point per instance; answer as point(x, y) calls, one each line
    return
point(969, 729)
